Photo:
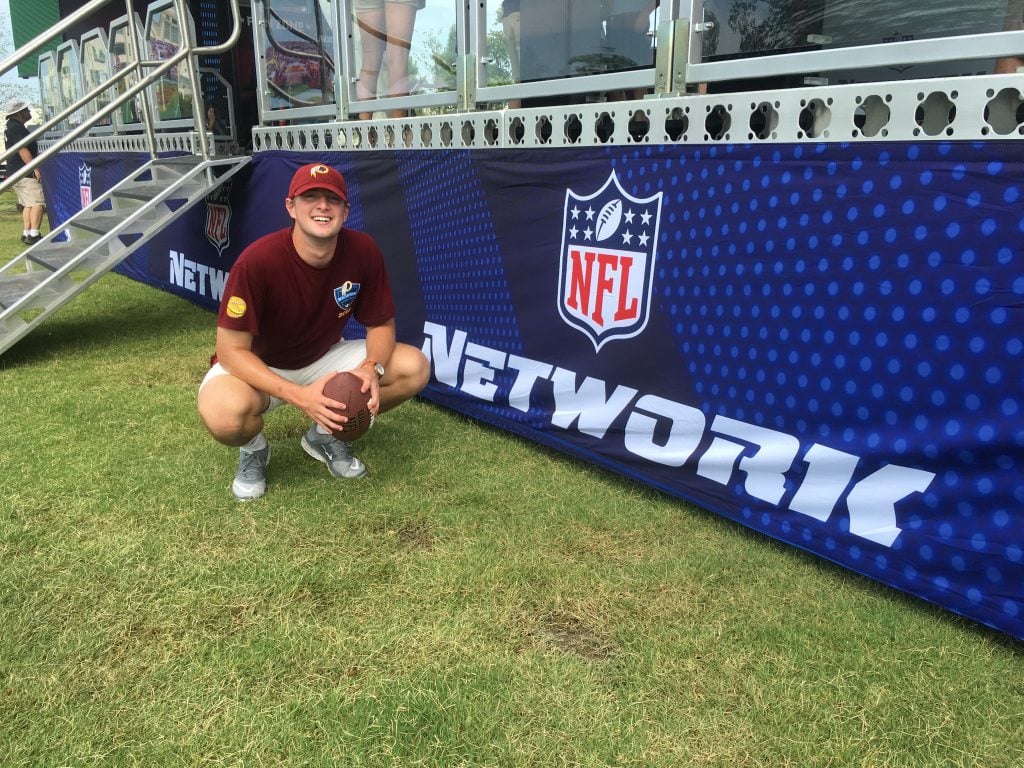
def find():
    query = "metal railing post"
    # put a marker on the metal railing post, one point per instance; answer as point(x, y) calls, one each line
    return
point(192, 63)
point(146, 108)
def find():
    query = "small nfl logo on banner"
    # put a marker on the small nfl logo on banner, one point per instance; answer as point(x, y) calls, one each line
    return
point(606, 267)
point(218, 217)
point(85, 184)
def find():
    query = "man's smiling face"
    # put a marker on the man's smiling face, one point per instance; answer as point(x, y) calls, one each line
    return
point(318, 213)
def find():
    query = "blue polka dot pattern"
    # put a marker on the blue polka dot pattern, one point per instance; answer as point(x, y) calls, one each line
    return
point(868, 298)
point(459, 231)
point(459, 260)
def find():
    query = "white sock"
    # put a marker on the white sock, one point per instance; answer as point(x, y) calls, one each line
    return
point(33, 233)
point(258, 443)
point(24, 233)
point(321, 431)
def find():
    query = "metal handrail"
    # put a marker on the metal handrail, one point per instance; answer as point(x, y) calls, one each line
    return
point(160, 67)
point(68, 111)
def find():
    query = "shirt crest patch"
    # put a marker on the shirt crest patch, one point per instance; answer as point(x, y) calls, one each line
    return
point(345, 296)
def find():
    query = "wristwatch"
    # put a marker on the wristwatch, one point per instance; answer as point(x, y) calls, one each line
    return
point(377, 367)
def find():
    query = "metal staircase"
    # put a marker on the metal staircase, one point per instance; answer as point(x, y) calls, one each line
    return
point(41, 280)
point(74, 255)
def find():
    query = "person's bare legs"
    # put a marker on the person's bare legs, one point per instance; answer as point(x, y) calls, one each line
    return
point(1008, 65)
point(35, 217)
point(400, 20)
point(372, 34)
point(231, 410)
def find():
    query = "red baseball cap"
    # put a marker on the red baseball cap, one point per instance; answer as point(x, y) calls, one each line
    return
point(318, 176)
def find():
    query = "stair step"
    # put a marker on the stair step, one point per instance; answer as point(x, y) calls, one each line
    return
point(146, 191)
point(13, 288)
point(188, 160)
point(100, 223)
point(55, 255)
point(10, 324)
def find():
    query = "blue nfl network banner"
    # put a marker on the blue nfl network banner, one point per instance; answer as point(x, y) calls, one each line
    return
point(822, 342)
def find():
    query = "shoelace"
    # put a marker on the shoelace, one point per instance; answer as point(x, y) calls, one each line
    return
point(252, 465)
point(336, 449)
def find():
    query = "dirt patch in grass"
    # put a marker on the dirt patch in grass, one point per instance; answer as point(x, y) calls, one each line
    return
point(566, 633)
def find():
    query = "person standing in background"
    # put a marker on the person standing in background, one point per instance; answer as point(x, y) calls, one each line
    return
point(28, 189)
point(385, 34)
point(626, 31)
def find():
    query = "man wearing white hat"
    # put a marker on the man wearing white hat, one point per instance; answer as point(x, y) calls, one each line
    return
point(28, 189)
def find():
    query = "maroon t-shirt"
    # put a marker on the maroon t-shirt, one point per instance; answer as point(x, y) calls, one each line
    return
point(295, 312)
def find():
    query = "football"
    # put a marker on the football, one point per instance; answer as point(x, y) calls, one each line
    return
point(608, 219)
point(344, 388)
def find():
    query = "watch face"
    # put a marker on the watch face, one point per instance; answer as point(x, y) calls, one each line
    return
point(379, 369)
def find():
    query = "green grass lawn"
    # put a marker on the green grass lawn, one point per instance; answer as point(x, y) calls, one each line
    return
point(475, 601)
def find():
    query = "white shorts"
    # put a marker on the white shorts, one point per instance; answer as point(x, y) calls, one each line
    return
point(343, 356)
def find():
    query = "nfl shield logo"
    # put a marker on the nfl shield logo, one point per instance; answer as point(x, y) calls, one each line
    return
point(218, 217)
point(85, 184)
point(606, 270)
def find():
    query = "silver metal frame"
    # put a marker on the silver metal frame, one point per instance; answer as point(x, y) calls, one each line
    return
point(629, 80)
point(70, 50)
point(321, 111)
point(986, 46)
point(678, 67)
point(972, 108)
point(927, 51)
point(120, 126)
point(188, 32)
point(188, 52)
point(99, 35)
point(350, 105)
point(165, 143)
point(48, 59)
point(961, 107)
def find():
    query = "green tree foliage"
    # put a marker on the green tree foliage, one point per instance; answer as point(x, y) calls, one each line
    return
point(443, 56)
point(766, 25)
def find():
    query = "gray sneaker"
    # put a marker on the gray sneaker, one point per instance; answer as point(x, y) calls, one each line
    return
point(334, 453)
point(251, 479)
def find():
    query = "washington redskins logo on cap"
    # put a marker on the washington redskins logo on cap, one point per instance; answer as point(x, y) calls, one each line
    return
point(318, 176)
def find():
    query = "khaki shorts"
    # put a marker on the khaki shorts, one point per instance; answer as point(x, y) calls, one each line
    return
point(30, 193)
point(343, 356)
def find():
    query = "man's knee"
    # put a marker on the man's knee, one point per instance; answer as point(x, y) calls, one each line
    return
point(414, 368)
point(228, 429)
point(231, 410)
point(408, 372)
